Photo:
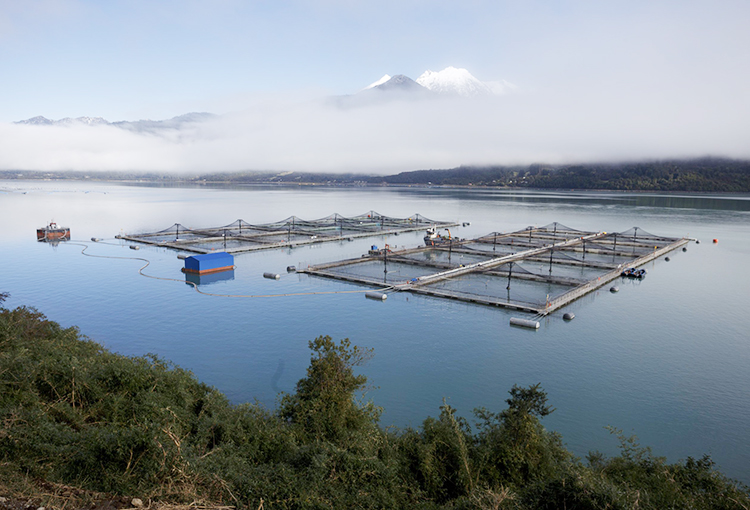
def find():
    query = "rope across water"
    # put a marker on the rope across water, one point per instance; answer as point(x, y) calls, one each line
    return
point(195, 285)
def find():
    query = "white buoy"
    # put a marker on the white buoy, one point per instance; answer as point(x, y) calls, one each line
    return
point(134, 247)
point(378, 296)
point(182, 256)
point(524, 323)
point(271, 276)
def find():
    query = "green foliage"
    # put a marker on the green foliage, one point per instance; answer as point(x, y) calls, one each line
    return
point(650, 482)
point(438, 460)
point(513, 445)
point(324, 407)
point(75, 413)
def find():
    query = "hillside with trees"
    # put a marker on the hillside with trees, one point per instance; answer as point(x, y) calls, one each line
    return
point(713, 175)
point(702, 175)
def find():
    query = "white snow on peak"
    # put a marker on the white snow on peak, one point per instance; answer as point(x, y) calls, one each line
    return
point(381, 81)
point(456, 81)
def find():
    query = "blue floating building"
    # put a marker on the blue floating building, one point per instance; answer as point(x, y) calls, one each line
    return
point(209, 263)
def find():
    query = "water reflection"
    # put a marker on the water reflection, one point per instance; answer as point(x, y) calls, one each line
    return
point(725, 202)
point(209, 278)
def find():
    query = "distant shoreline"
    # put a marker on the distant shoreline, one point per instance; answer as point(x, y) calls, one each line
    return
point(705, 175)
point(192, 183)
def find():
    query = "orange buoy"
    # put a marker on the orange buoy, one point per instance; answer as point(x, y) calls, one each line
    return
point(716, 241)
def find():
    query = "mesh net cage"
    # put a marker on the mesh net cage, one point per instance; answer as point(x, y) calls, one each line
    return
point(241, 235)
point(528, 269)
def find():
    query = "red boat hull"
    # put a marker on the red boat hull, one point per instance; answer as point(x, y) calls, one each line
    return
point(57, 234)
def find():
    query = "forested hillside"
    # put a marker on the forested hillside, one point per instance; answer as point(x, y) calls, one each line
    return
point(700, 175)
point(714, 175)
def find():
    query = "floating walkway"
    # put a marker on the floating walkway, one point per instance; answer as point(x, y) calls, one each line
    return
point(536, 270)
point(242, 236)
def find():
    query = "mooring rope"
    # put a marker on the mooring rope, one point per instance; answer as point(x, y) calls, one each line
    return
point(195, 285)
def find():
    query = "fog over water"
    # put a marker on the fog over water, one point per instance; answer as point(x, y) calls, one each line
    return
point(290, 134)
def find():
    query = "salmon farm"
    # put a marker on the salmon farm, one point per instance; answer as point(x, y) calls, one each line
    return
point(536, 270)
point(242, 236)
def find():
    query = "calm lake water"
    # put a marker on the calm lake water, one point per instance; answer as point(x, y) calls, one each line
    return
point(666, 358)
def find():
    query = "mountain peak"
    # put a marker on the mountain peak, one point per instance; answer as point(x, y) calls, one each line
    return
point(451, 81)
point(399, 82)
point(454, 81)
point(36, 121)
point(382, 80)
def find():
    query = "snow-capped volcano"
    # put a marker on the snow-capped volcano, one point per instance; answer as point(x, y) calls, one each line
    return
point(451, 81)
point(454, 81)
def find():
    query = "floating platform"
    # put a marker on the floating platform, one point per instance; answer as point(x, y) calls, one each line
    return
point(536, 270)
point(209, 263)
point(242, 236)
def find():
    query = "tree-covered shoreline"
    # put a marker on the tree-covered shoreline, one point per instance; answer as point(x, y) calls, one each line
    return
point(696, 175)
point(75, 414)
point(704, 175)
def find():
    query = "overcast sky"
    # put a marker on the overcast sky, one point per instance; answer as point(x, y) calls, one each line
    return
point(595, 80)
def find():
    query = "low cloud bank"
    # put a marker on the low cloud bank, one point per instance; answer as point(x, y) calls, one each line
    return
point(381, 137)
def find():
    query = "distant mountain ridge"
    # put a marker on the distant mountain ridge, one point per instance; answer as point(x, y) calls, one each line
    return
point(138, 125)
point(67, 121)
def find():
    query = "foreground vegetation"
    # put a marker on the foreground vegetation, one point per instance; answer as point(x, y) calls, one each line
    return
point(74, 413)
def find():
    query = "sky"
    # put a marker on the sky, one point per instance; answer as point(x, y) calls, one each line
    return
point(593, 81)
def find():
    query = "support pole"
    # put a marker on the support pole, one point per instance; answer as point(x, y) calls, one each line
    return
point(385, 265)
point(551, 252)
point(614, 249)
point(510, 271)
